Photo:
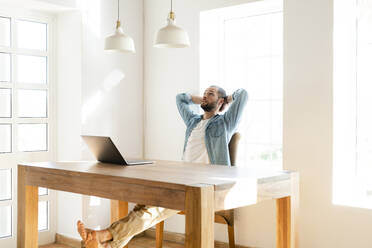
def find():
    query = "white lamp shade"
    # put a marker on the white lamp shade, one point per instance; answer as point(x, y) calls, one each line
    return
point(172, 36)
point(120, 42)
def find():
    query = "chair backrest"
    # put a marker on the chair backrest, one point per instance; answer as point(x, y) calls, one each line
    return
point(233, 147)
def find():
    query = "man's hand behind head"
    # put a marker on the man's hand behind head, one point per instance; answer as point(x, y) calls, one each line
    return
point(227, 101)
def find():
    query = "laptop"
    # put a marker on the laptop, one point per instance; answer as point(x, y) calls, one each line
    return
point(106, 152)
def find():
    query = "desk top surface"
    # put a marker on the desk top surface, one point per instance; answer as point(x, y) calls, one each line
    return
point(172, 172)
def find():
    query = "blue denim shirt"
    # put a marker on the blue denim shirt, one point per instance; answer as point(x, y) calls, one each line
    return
point(219, 129)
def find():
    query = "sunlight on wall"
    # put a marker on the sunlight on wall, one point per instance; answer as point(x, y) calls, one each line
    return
point(91, 105)
point(113, 79)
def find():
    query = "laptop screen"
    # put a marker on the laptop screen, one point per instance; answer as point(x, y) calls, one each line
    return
point(104, 149)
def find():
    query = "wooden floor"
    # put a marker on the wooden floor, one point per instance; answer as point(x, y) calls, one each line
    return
point(54, 246)
point(140, 242)
point(147, 242)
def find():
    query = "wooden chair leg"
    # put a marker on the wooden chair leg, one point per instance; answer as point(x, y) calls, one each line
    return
point(227, 217)
point(230, 231)
point(159, 234)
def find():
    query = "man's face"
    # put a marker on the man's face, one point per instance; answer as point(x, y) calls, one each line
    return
point(210, 100)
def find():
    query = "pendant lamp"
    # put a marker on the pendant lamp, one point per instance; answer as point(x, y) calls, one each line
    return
point(172, 36)
point(119, 41)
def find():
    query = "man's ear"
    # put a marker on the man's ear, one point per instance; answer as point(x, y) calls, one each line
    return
point(223, 106)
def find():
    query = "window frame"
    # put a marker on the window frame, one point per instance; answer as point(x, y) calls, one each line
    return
point(236, 13)
point(349, 188)
point(45, 236)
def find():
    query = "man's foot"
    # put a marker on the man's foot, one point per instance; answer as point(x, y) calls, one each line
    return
point(102, 236)
point(92, 241)
point(82, 231)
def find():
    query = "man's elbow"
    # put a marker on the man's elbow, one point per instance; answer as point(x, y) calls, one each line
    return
point(181, 98)
point(243, 95)
point(243, 92)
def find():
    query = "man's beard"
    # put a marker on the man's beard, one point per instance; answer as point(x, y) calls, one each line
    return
point(208, 107)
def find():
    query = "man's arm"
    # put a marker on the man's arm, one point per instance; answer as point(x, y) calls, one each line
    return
point(184, 101)
point(233, 115)
point(196, 99)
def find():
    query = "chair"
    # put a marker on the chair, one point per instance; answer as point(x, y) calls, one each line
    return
point(222, 217)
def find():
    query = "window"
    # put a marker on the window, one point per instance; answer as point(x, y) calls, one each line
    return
point(352, 103)
point(241, 47)
point(26, 113)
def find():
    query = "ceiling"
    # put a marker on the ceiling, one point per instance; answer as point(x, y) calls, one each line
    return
point(42, 5)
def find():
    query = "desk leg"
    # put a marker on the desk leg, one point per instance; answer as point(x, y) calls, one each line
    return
point(119, 209)
point(199, 209)
point(28, 202)
point(283, 222)
point(286, 217)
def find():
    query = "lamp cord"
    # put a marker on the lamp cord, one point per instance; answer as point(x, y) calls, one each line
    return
point(118, 10)
point(171, 5)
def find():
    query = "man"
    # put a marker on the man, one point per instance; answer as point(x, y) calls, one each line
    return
point(208, 135)
point(206, 141)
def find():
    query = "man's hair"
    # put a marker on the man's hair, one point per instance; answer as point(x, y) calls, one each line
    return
point(221, 94)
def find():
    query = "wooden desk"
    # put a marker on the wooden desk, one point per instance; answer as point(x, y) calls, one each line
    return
point(197, 189)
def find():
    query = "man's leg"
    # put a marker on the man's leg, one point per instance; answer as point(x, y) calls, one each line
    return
point(121, 232)
point(141, 218)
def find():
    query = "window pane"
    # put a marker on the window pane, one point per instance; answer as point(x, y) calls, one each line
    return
point(5, 103)
point(277, 122)
point(253, 155)
point(363, 92)
point(4, 67)
point(277, 34)
point(259, 78)
point(276, 156)
point(5, 184)
point(4, 31)
point(277, 78)
point(258, 123)
point(6, 138)
point(31, 69)
point(32, 137)
point(6, 221)
point(43, 191)
point(32, 103)
point(258, 155)
point(43, 215)
point(31, 35)
point(250, 35)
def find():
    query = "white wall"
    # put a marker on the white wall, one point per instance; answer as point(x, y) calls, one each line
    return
point(112, 87)
point(100, 93)
point(69, 68)
point(308, 27)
